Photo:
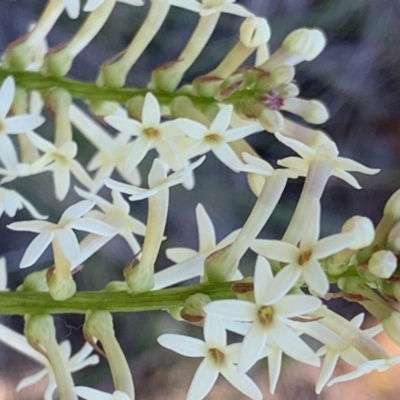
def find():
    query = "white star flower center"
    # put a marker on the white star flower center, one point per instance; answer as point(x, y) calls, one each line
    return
point(265, 315)
point(151, 133)
point(217, 355)
point(2, 126)
point(213, 138)
point(304, 257)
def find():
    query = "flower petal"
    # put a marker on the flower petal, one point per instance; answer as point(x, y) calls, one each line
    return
point(241, 382)
point(36, 248)
point(187, 346)
point(253, 345)
point(276, 250)
point(332, 244)
point(151, 114)
point(7, 91)
point(238, 310)
point(214, 332)
point(203, 380)
point(221, 121)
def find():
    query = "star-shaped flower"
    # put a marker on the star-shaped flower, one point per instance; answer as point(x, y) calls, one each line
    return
point(269, 316)
point(61, 232)
point(157, 181)
point(190, 263)
point(78, 361)
point(12, 125)
point(62, 162)
point(303, 261)
point(327, 151)
point(219, 358)
point(11, 201)
point(217, 136)
point(73, 6)
point(150, 133)
point(115, 214)
point(113, 151)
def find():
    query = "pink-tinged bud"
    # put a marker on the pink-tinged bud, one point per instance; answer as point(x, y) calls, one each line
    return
point(363, 230)
point(254, 31)
point(393, 239)
point(382, 263)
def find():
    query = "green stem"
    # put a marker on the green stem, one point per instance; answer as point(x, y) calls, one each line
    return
point(21, 303)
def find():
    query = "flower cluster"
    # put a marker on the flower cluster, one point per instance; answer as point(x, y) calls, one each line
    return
point(276, 309)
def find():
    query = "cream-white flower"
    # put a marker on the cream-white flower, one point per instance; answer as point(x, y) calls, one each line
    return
point(11, 201)
point(78, 361)
point(61, 160)
point(217, 136)
point(12, 125)
point(219, 358)
point(150, 133)
point(73, 6)
point(190, 263)
point(61, 232)
point(327, 151)
point(157, 181)
point(113, 151)
point(269, 316)
point(115, 214)
point(303, 261)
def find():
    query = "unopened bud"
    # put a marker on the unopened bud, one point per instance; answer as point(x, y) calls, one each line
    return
point(39, 328)
point(271, 121)
point(382, 263)
point(363, 230)
point(393, 239)
point(208, 86)
point(57, 63)
point(391, 326)
point(219, 267)
point(306, 42)
point(312, 111)
point(254, 31)
point(193, 311)
point(134, 107)
point(392, 207)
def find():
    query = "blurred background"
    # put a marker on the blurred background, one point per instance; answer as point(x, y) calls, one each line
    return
point(357, 77)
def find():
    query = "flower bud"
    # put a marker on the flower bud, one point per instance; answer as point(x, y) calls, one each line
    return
point(219, 267)
point(254, 31)
point(192, 310)
point(382, 264)
point(207, 86)
point(312, 111)
point(305, 42)
point(271, 121)
point(39, 328)
point(393, 239)
point(363, 230)
point(57, 63)
point(392, 207)
point(391, 326)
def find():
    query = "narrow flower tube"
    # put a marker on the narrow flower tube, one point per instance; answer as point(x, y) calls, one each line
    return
point(19, 55)
point(221, 266)
point(254, 32)
point(141, 277)
point(168, 77)
point(59, 279)
point(41, 334)
point(350, 333)
point(317, 177)
point(115, 73)
point(60, 102)
point(99, 325)
point(59, 62)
